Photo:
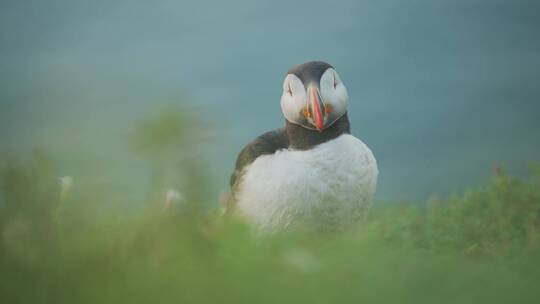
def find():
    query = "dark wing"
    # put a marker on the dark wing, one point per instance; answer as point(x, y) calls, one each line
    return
point(268, 143)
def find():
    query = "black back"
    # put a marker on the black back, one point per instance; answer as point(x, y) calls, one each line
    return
point(268, 143)
point(291, 136)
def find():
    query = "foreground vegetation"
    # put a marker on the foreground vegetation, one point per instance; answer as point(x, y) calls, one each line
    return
point(67, 240)
point(59, 247)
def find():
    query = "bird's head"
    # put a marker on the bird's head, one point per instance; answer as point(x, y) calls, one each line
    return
point(313, 96)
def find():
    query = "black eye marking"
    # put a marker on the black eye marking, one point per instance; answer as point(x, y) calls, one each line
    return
point(289, 90)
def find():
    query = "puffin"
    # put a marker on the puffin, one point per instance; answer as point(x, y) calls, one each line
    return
point(312, 173)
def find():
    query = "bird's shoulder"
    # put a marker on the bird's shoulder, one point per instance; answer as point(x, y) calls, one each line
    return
point(267, 143)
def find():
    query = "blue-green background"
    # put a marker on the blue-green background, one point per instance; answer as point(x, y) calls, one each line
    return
point(441, 90)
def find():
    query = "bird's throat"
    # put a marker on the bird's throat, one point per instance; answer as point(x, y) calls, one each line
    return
point(303, 139)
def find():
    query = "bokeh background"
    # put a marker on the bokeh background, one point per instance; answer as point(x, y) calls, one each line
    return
point(120, 122)
point(442, 91)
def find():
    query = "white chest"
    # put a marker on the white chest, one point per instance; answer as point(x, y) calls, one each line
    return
point(331, 184)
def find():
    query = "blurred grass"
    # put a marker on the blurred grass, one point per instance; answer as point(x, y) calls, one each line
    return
point(79, 243)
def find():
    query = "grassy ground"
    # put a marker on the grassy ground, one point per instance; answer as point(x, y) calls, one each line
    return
point(79, 241)
point(58, 247)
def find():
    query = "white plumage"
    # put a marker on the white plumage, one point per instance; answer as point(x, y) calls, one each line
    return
point(326, 187)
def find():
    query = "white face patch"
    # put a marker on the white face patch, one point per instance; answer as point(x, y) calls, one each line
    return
point(295, 98)
point(334, 93)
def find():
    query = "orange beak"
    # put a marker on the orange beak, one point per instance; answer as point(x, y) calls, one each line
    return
point(316, 107)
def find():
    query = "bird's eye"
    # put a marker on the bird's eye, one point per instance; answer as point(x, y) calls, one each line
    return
point(289, 90)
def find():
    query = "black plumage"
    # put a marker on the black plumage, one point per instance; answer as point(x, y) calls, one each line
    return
point(267, 143)
point(291, 136)
point(310, 71)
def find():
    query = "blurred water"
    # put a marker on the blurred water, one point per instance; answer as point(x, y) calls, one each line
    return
point(440, 90)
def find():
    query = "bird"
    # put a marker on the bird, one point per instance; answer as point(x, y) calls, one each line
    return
point(311, 174)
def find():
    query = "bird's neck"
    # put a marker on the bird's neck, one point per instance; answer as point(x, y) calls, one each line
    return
point(302, 139)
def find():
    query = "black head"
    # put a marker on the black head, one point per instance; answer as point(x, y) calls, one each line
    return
point(310, 71)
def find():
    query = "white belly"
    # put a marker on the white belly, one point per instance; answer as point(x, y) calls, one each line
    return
point(322, 188)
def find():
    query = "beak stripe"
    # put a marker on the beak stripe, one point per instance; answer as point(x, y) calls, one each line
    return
point(316, 103)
